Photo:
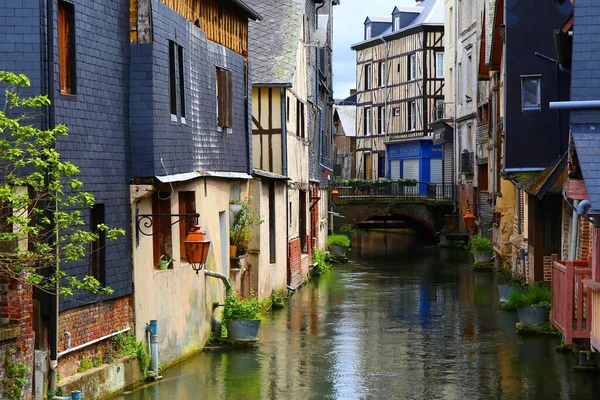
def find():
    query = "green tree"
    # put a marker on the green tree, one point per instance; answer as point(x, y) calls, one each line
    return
point(41, 199)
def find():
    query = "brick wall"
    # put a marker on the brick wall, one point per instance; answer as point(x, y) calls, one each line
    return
point(548, 269)
point(297, 270)
point(584, 246)
point(16, 331)
point(89, 323)
point(530, 268)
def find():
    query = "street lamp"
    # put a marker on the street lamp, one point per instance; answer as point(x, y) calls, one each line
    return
point(196, 248)
point(469, 220)
point(335, 194)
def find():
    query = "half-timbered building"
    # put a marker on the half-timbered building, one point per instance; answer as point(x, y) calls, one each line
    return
point(400, 81)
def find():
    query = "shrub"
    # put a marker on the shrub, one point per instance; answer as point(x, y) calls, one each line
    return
point(338, 240)
point(237, 308)
point(320, 259)
point(347, 230)
point(507, 277)
point(480, 244)
point(532, 296)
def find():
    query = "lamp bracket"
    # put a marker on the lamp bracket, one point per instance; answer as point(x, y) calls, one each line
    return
point(315, 200)
point(144, 222)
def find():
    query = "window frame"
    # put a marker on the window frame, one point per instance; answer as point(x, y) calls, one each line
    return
point(412, 116)
point(367, 121)
point(381, 120)
point(162, 233)
point(396, 24)
point(412, 67)
point(538, 78)
point(67, 52)
point(368, 76)
point(438, 55)
point(172, 80)
point(181, 71)
point(382, 70)
point(368, 33)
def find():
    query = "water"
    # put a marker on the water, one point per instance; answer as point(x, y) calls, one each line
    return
point(400, 321)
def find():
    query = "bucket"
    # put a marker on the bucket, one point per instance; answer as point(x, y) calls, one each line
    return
point(504, 292)
point(533, 315)
point(243, 330)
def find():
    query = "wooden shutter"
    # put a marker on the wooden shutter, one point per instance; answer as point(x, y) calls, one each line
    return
point(221, 97)
point(229, 102)
point(187, 205)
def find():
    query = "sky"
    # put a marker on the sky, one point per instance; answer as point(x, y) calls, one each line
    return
point(348, 28)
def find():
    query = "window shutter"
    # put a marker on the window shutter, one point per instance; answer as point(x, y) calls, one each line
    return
point(221, 117)
point(229, 102)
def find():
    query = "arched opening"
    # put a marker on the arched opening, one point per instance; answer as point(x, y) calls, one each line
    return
point(398, 221)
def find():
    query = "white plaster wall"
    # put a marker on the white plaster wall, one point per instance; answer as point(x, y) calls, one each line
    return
point(180, 300)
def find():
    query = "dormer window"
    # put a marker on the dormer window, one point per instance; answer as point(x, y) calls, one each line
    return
point(396, 24)
point(368, 33)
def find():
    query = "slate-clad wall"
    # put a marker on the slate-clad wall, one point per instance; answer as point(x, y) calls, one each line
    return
point(529, 28)
point(97, 117)
point(197, 144)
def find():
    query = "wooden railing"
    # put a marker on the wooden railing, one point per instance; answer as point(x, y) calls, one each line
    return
point(418, 190)
point(571, 314)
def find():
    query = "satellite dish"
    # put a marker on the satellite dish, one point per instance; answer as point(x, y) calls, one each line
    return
point(320, 37)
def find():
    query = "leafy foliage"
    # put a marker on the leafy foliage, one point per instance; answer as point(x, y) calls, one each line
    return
point(237, 308)
point(243, 222)
point(15, 373)
point(532, 296)
point(88, 363)
point(127, 345)
point(338, 240)
point(320, 259)
point(480, 244)
point(507, 277)
point(41, 199)
point(348, 230)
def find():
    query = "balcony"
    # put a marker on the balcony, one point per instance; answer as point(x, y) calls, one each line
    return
point(443, 112)
point(571, 312)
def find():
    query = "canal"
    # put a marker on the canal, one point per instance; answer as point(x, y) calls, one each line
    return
point(399, 321)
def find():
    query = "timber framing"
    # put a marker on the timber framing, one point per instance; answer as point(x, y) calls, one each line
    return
point(223, 22)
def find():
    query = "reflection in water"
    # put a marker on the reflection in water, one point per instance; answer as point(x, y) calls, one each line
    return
point(401, 320)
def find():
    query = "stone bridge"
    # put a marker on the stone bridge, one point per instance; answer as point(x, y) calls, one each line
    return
point(424, 216)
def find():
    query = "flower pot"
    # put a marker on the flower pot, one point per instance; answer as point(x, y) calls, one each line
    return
point(482, 257)
point(235, 208)
point(533, 315)
point(243, 330)
point(339, 250)
point(505, 290)
point(163, 263)
point(233, 249)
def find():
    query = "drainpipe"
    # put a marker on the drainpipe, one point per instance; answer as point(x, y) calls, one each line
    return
point(504, 85)
point(317, 97)
point(574, 232)
point(284, 171)
point(456, 154)
point(220, 276)
point(70, 349)
point(494, 139)
point(152, 331)
point(385, 105)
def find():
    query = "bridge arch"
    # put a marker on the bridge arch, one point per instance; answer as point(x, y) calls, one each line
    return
point(398, 220)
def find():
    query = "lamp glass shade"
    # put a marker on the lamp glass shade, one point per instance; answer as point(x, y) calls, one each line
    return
point(196, 246)
point(334, 195)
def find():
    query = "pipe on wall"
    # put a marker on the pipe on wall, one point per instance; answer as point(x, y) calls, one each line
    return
point(574, 233)
point(91, 342)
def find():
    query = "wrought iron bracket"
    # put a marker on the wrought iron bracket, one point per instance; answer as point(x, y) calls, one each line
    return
point(144, 222)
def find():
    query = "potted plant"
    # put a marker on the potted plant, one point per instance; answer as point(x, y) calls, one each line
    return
point(241, 232)
point(482, 248)
point(338, 244)
point(532, 303)
point(508, 282)
point(242, 317)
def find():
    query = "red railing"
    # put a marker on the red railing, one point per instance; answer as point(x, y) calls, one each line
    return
point(571, 314)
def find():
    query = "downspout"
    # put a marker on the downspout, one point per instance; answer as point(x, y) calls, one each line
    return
point(284, 161)
point(247, 128)
point(317, 97)
point(455, 95)
point(54, 305)
point(494, 139)
point(574, 232)
point(504, 85)
point(220, 276)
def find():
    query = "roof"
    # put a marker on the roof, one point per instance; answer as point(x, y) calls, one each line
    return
point(188, 176)
point(407, 9)
point(250, 12)
point(387, 20)
point(575, 189)
point(269, 175)
point(538, 184)
point(273, 43)
point(432, 14)
point(587, 143)
point(347, 116)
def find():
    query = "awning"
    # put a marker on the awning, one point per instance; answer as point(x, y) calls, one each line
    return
point(188, 176)
point(550, 180)
point(575, 189)
point(269, 175)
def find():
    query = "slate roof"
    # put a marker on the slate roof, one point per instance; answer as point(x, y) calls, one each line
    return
point(347, 116)
point(273, 42)
point(587, 142)
point(432, 14)
point(387, 20)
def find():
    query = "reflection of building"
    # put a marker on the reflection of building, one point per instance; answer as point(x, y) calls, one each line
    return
point(400, 78)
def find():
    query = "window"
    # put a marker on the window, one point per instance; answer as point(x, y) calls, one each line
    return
point(287, 109)
point(172, 79)
point(412, 67)
point(440, 109)
point(272, 225)
point(412, 114)
point(66, 47)
point(97, 247)
point(187, 205)
point(300, 129)
point(382, 74)
point(530, 93)
point(368, 33)
point(162, 244)
point(397, 111)
point(181, 81)
point(367, 121)
point(439, 64)
point(381, 120)
point(396, 23)
point(224, 98)
point(368, 77)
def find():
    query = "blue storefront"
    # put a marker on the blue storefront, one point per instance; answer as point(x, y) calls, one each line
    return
point(420, 160)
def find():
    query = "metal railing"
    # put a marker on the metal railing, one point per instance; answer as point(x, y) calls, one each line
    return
point(392, 189)
point(442, 112)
